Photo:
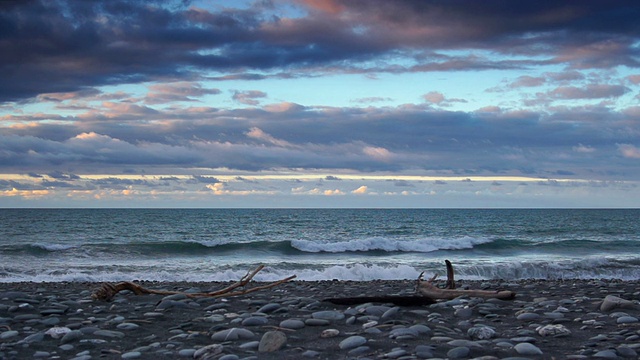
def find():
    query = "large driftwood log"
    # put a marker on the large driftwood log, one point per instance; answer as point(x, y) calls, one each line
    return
point(107, 291)
point(426, 288)
point(427, 293)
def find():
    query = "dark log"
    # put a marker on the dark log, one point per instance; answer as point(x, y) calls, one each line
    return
point(414, 300)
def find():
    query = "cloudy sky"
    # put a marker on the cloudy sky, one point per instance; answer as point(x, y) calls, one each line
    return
point(320, 103)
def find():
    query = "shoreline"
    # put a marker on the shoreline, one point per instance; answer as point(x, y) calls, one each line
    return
point(293, 321)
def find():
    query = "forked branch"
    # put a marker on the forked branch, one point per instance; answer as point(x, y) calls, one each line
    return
point(107, 291)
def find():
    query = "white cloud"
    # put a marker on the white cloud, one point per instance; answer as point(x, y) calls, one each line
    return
point(361, 190)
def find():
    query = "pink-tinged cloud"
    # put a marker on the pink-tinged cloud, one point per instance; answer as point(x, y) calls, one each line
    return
point(629, 151)
point(329, 6)
point(256, 133)
point(433, 97)
point(377, 153)
point(527, 81)
point(177, 91)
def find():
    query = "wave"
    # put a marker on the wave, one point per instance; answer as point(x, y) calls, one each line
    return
point(389, 245)
point(284, 247)
point(589, 268)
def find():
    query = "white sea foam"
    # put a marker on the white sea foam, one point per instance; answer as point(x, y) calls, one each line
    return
point(53, 247)
point(389, 245)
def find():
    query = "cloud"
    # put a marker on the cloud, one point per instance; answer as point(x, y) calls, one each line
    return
point(629, 151)
point(177, 91)
point(66, 47)
point(527, 81)
point(583, 149)
point(249, 97)
point(592, 91)
point(361, 190)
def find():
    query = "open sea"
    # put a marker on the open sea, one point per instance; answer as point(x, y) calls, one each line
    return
point(316, 244)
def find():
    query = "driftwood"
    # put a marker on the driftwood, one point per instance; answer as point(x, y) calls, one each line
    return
point(428, 293)
point(426, 288)
point(108, 291)
point(399, 300)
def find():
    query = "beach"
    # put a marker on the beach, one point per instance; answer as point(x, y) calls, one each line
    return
point(559, 319)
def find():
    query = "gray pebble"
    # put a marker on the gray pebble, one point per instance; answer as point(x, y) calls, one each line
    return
point(131, 355)
point(272, 341)
point(255, 321)
point(360, 350)
point(460, 352)
point(294, 324)
point(71, 336)
point(528, 317)
point(269, 308)
point(328, 315)
point(626, 320)
point(352, 342)
point(394, 354)
point(606, 354)
point(229, 357)
point(8, 334)
point(527, 349)
point(232, 334)
point(127, 326)
point(481, 333)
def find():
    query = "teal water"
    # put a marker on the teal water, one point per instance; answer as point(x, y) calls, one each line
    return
point(316, 244)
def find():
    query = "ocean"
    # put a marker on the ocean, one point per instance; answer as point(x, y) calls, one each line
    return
point(55, 245)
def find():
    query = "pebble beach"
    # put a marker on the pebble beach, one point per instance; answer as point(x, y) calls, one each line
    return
point(559, 319)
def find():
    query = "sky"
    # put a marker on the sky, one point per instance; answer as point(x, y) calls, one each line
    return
point(320, 103)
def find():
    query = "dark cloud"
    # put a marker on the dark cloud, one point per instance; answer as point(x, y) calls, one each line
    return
point(206, 179)
point(59, 175)
point(404, 138)
point(72, 46)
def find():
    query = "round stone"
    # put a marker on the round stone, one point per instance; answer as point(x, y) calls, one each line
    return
point(255, 321)
point(232, 334)
point(272, 341)
point(481, 333)
point(460, 352)
point(553, 330)
point(626, 320)
point(8, 334)
point(293, 324)
point(527, 349)
point(352, 342)
point(528, 317)
point(328, 315)
point(132, 355)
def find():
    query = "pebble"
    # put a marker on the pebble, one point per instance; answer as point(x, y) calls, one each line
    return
point(527, 349)
point(272, 341)
point(352, 342)
point(569, 319)
point(460, 352)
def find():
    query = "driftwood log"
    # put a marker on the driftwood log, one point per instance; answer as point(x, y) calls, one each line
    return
point(107, 291)
point(427, 293)
point(426, 288)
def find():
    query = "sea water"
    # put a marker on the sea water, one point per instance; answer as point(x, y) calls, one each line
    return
point(316, 244)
